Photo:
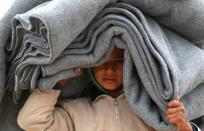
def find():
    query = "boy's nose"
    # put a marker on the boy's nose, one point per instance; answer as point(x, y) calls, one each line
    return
point(110, 68)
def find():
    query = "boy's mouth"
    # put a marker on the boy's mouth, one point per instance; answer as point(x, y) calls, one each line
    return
point(109, 80)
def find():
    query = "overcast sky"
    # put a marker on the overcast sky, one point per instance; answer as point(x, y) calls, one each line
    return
point(4, 5)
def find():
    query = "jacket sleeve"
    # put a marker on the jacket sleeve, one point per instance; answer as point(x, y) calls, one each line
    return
point(40, 114)
point(195, 127)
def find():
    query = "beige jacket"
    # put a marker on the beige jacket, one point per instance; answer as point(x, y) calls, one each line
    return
point(104, 114)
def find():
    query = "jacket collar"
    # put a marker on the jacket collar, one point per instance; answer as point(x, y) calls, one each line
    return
point(121, 96)
point(94, 93)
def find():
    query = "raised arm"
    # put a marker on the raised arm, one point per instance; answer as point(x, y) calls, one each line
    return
point(40, 114)
point(40, 111)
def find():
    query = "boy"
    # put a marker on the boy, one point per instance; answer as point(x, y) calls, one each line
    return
point(106, 110)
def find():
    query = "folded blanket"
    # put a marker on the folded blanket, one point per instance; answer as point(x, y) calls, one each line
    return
point(39, 39)
point(183, 16)
point(17, 7)
point(159, 58)
point(156, 69)
point(8, 110)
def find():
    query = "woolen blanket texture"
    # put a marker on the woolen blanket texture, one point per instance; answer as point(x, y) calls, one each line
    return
point(17, 7)
point(38, 38)
point(51, 41)
point(183, 16)
point(156, 67)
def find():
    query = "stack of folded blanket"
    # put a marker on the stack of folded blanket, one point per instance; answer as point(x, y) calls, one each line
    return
point(163, 51)
point(17, 7)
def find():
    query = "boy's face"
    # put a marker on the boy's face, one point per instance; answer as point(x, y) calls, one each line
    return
point(110, 74)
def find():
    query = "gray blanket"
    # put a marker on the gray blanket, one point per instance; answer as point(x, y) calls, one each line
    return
point(157, 67)
point(43, 37)
point(17, 7)
point(58, 8)
point(183, 16)
point(47, 47)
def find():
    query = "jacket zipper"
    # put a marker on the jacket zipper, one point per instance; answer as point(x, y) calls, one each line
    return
point(115, 101)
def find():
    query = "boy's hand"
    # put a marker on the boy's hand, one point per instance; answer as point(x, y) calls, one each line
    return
point(176, 114)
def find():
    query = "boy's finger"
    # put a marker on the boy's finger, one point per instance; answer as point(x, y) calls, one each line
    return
point(174, 103)
point(178, 115)
point(173, 120)
point(174, 110)
point(175, 114)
